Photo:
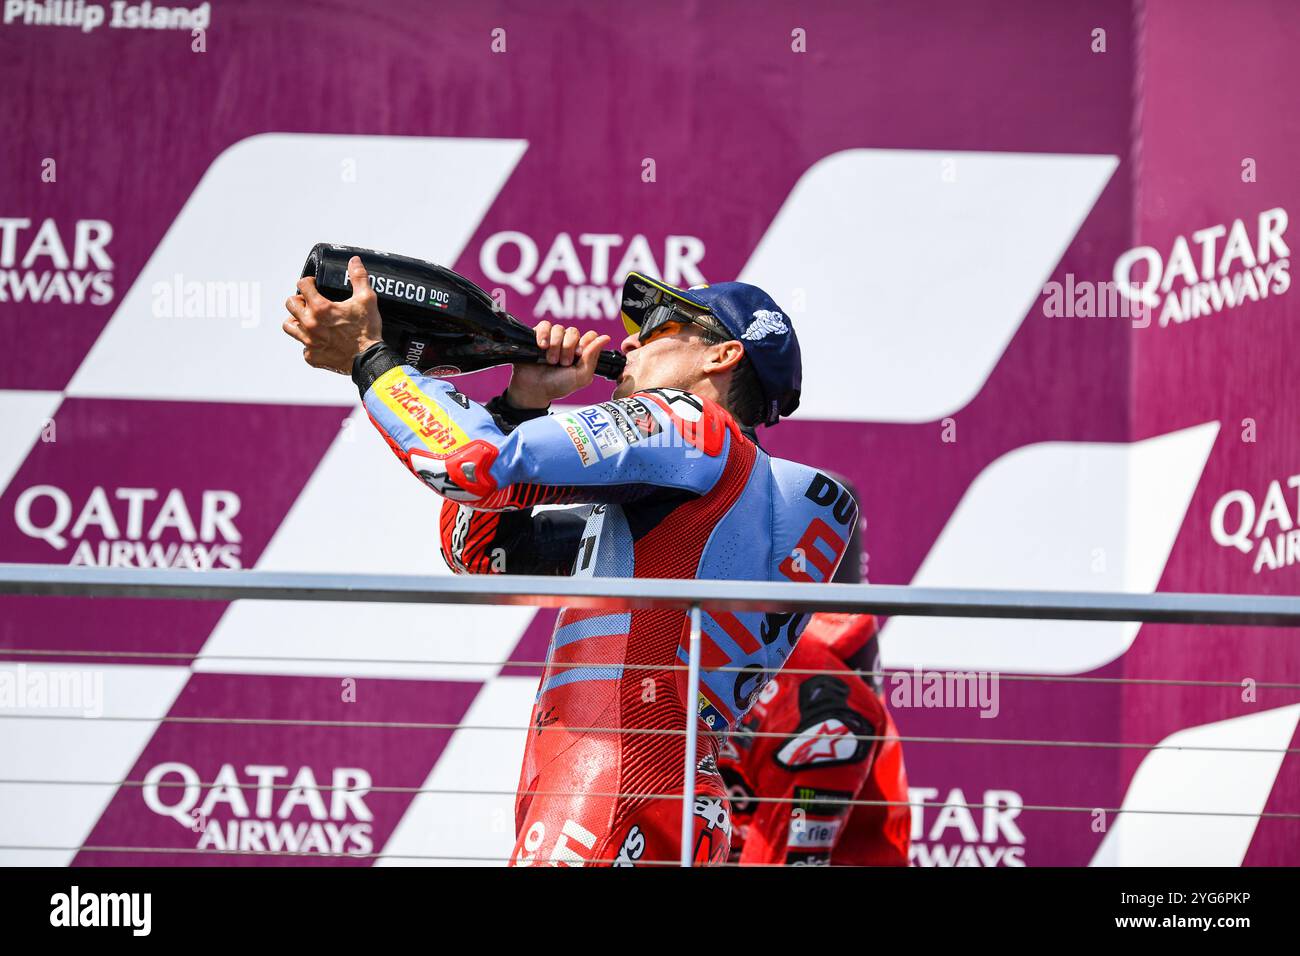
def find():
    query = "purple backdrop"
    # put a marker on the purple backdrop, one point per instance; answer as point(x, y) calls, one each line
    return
point(691, 135)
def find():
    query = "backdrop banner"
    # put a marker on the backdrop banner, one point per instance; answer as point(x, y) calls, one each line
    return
point(1038, 257)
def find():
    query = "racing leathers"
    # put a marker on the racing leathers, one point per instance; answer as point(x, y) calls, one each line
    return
point(667, 486)
point(821, 754)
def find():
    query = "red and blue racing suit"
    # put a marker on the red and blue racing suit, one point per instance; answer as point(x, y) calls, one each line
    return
point(667, 486)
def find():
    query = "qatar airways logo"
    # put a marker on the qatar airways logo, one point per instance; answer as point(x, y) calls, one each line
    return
point(583, 278)
point(41, 263)
point(961, 832)
point(1267, 527)
point(134, 527)
point(1231, 266)
point(269, 808)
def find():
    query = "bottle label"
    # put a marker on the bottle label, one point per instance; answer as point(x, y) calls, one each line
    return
point(414, 292)
point(414, 352)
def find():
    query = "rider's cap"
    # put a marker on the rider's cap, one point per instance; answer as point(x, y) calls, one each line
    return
point(750, 315)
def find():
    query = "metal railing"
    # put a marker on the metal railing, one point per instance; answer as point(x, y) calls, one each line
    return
point(885, 599)
point(690, 596)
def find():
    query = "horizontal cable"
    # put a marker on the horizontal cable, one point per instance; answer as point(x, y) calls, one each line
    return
point(355, 856)
point(1044, 807)
point(621, 593)
point(188, 657)
point(654, 731)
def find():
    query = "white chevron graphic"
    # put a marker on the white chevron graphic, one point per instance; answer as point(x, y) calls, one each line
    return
point(906, 288)
point(81, 748)
point(390, 529)
point(252, 219)
point(1200, 780)
point(23, 418)
point(477, 828)
point(1054, 516)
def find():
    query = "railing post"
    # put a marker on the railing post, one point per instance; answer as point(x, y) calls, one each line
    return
point(692, 737)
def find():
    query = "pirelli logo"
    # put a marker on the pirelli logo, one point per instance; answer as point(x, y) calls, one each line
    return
point(419, 412)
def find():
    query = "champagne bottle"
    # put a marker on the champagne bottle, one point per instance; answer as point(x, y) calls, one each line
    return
point(437, 320)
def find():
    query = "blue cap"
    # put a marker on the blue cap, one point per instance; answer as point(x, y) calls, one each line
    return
point(750, 315)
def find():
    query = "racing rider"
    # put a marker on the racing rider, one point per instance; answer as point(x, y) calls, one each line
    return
point(671, 484)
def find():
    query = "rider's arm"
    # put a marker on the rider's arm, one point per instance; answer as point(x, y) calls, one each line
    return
point(815, 772)
point(494, 463)
point(817, 815)
point(615, 451)
point(510, 542)
point(529, 541)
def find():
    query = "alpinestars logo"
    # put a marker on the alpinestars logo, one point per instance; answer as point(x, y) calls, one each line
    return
point(632, 849)
point(714, 812)
point(765, 323)
point(826, 743)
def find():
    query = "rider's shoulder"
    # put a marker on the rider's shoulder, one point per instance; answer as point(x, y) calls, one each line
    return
point(701, 421)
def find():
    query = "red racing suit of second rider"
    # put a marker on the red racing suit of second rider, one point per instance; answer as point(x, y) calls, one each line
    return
point(668, 486)
point(821, 754)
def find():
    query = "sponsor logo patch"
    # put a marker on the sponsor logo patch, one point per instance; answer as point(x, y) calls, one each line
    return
point(419, 412)
point(545, 720)
point(414, 352)
point(606, 435)
point(433, 472)
point(800, 858)
point(622, 420)
point(642, 419)
point(821, 802)
point(811, 834)
point(711, 716)
point(713, 810)
point(582, 441)
point(766, 322)
point(683, 404)
point(632, 849)
point(826, 742)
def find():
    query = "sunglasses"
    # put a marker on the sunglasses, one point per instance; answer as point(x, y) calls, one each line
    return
point(667, 318)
